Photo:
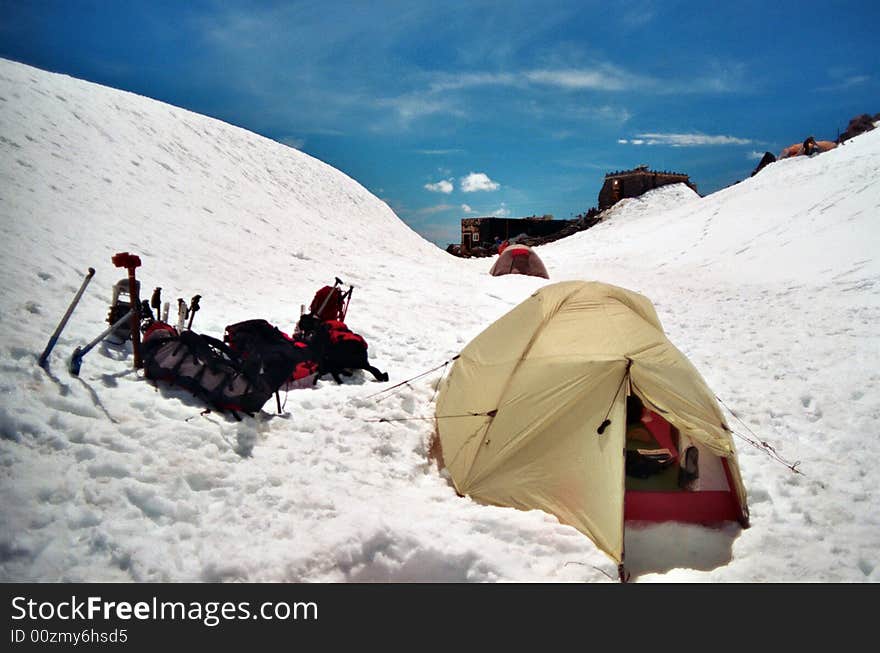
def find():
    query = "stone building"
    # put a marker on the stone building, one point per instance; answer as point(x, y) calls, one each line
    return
point(481, 232)
point(632, 183)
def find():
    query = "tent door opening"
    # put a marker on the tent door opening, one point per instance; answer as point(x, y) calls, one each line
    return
point(673, 479)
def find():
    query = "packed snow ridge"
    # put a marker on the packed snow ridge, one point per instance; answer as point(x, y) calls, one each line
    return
point(771, 287)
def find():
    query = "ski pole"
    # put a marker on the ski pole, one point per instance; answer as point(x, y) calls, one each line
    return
point(193, 307)
point(346, 300)
point(44, 357)
point(181, 314)
point(79, 352)
point(156, 302)
point(130, 262)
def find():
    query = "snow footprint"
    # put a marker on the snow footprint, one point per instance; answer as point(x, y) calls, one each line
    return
point(812, 410)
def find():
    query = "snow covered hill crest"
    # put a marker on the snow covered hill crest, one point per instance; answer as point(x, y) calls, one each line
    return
point(771, 287)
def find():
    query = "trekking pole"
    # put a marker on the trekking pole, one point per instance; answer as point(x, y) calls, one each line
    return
point(44, 357)
point(156, 302)
point(130, 262)
point(165, 308)
point(78, 353)
point(193, 307)
point(346, 300)
point(182, 312)
point(146, 312)
point(327, 298)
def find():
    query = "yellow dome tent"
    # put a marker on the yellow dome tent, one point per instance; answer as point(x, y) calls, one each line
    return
point(533, 415)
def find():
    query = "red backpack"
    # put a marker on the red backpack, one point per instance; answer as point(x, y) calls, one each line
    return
point(337, 349)
point(328, 304)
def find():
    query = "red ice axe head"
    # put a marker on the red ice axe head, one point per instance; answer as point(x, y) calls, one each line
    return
point(126, 260)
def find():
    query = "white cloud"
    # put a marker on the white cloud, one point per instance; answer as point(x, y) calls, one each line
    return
point(467, 209)
point(451, 82)
point(846, 82)
point(612, 114)
point(442, 186)
point(855, 80)
point(413, 106)
point(574, 111)
point(684, 140)
point(604, 78)
point(754, 154)
point(477, 181)
point(440, 152)
point(600, 76)
point(501, 212)
point(723, 77)
point(437, 208)
point(295, 143)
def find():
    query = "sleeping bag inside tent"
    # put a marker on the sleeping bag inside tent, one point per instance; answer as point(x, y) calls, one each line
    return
point(519, 259)
point(533, 415)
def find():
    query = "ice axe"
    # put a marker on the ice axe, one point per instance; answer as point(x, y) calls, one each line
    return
point(130, 262)
point(78, 353)
point(44, 357)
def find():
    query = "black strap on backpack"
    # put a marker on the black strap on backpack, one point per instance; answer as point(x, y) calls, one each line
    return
point(267, 352)
point(207, 368)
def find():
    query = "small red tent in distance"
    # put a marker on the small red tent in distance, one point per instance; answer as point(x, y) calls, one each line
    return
point(519, 259)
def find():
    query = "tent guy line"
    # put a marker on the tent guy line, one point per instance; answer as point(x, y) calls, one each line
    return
point(406, 382)
point(759, 443)
point(489, 413)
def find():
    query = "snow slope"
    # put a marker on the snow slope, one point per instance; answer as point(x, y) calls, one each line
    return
point(769, 286)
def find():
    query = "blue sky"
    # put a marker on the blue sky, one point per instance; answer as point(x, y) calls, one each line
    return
point(456, 109)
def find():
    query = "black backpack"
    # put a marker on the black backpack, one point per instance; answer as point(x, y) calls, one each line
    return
point(339, 350)
point(266, 351)
point(207, 368)
point(642, 463)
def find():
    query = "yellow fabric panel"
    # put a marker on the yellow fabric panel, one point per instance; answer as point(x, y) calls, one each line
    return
point(670, 385)
point(542, 450)
point(558, 462)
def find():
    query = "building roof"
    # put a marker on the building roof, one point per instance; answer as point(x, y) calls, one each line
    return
point(643, 170)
